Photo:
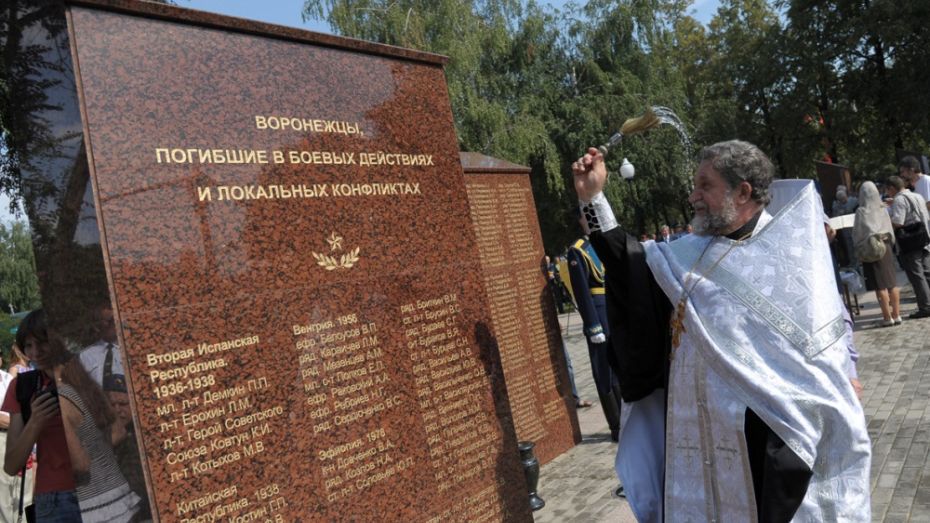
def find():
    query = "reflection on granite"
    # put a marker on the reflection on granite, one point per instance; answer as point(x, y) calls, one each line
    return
point(47, 153)
point(46, 150)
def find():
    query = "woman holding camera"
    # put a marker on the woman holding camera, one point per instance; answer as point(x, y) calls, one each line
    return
point(69, 420)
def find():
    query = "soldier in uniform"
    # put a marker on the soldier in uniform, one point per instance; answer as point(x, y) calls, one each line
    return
point(587, 278)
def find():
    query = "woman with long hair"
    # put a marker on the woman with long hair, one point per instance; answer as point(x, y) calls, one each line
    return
point(18, 361)
point(69, 421)
point(23, 482)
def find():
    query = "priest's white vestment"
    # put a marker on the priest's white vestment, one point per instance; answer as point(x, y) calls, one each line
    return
point(763, 325)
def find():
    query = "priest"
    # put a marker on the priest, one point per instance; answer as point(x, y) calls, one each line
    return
point(730, 352)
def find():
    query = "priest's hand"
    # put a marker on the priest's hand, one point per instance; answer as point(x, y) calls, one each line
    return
point(590, 174)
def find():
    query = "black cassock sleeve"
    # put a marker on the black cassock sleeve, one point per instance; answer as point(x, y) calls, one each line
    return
point(639, 314)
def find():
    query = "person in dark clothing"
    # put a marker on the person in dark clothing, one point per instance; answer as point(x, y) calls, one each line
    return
point(587, 276)
point(554, 284)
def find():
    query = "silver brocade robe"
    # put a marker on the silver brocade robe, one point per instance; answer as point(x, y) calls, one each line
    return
point(763, 331)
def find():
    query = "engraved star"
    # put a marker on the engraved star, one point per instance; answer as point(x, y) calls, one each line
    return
point(335, 242)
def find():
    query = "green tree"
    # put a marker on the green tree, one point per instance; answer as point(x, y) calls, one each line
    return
point(870, 58)
point(622, 65)
point(751, 85)
point(536, 85)
point(7, 336)
point(19, 287)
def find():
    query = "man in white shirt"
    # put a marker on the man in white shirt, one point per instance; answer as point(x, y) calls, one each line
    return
point(103, 357)
point(909, 169)
point(908, 208)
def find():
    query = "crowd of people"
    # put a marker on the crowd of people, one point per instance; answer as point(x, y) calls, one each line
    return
point(667, 234)
point(891, 223)
point(70, 449)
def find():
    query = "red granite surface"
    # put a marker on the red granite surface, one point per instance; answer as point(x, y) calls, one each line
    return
point(522, 308)
point(305, 358)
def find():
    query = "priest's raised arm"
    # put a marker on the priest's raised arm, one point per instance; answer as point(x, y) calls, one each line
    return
point(637, 309)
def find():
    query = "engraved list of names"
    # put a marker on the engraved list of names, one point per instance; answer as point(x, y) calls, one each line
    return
point(522, 311)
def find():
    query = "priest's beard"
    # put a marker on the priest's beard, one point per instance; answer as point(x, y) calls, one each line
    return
point(719, 223)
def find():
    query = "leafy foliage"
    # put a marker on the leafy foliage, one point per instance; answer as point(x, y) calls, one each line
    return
point(806, 80)
point(7, 337)
point(19, 287)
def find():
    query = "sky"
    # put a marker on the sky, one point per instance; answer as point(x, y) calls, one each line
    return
point(287, 12)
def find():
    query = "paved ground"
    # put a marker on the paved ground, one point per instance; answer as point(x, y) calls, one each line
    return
point(894, 368)
point(579, 485)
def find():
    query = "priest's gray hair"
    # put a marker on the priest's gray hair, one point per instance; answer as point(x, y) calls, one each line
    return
point(738, 161)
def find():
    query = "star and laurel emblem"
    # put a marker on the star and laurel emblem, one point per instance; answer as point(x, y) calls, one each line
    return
point(330, 261)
